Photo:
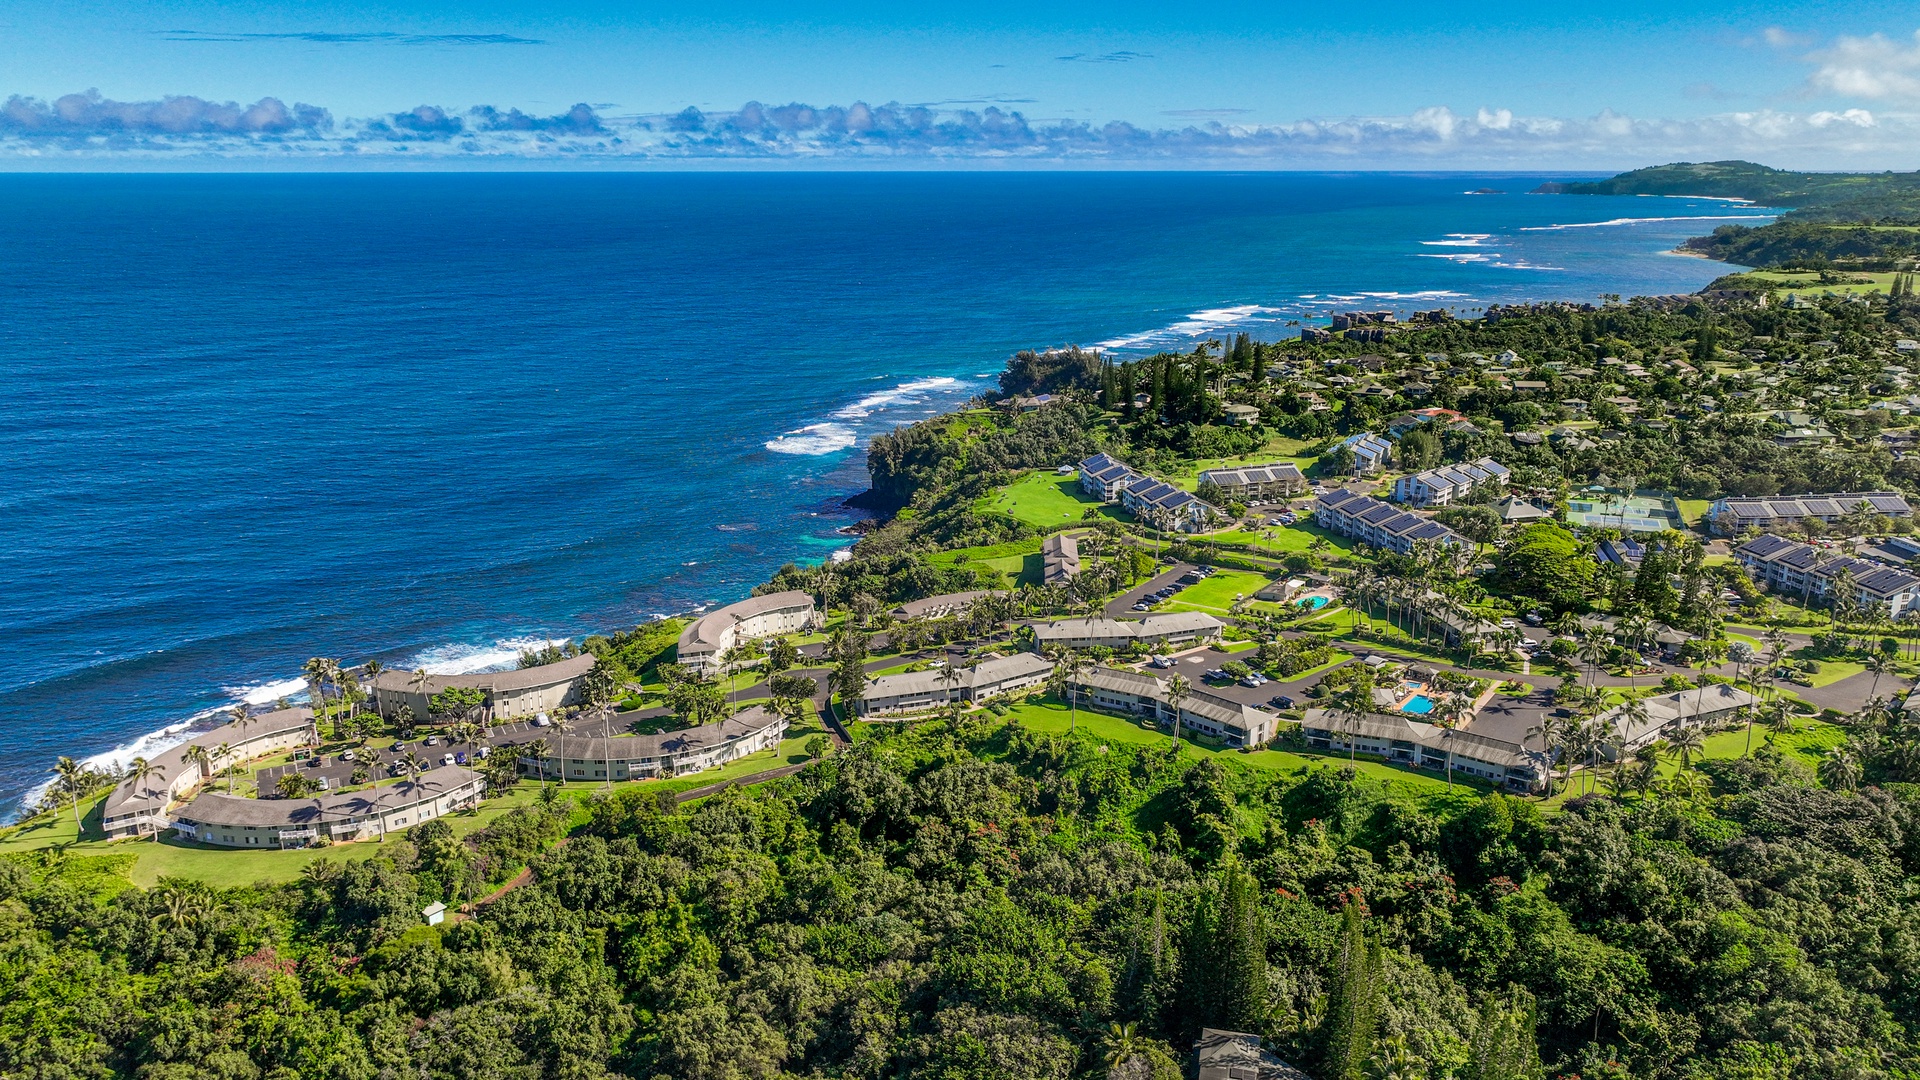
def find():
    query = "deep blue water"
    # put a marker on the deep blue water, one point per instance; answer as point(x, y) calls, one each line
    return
point(252, 419)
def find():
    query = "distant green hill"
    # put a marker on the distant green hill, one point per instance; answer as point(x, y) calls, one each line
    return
point(1858, 221)
point(1881, 197)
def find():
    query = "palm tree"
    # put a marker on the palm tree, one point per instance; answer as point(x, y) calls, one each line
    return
point(1840, 769)
point(1120, 1044)
point(1779, 718)
point(223, 752)
point(1553, 733)
point(71, 775)
point(1354, 706)
point(420, 678)
point(197, 755)
point(538, 750)
point(1594, 648)
point(315, 670)
point(1686, 740)
point(1455, 709)
point(1177, 690)
point(140, 772)
point(1879, 664)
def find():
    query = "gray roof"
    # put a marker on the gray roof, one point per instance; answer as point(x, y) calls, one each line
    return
point(985, 673)
point(395, 680)
point(1233, 1055)
point(943, 604)
point(1153, 625)
point(1246, 475)
point(705, 632)
point(749, 721)
point(155, 793)
point(215, 808)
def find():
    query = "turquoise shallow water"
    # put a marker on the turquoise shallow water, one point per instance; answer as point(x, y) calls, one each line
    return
point(252, 419)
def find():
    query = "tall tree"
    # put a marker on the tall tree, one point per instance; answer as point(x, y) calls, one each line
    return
point(1353, 1006)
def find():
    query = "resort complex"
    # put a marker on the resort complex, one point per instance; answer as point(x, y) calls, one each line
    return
point(505, 694)
point(230, 821)
point(918, 691)
point(137, 805)
point(706, 640)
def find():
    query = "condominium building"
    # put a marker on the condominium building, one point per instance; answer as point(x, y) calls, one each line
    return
point(1105, 477)
point(1371, 453)
point(1257, 483)
point(1160, 503)
point(504, 694)
point(706, 640)
point(231, 821)
point(1367, 519)
point(1138, 694)
point(138, 805)
point(1730, 517)
point(1399, 738)
point(1159, 628)
point(1813, 575)
point(1059, 559)
point(590, 758)
point(1449, 484)
point(916, 691)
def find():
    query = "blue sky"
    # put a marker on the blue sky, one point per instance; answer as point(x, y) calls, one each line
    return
point(1420, 84)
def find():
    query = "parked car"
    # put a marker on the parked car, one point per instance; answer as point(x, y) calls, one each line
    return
point(1251, 681)
point(1216, 675)
point(1141, 606)
point(325, 784)
point(432, 740)
point(446, 759)
point(1280, 701)
point(1533, 618)
point(1508, 624)
point(346, 755)
point(1164, 661)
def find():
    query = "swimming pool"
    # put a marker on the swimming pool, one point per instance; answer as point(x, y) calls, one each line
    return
point(1418, 703)
point(1314, 603)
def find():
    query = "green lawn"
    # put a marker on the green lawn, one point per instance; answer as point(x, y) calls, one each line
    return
point(1807, 282)
point(1044, 499)
point(1692, 511)
point(1285, 539)
point(1216, 594)
point(1055, 718)
point(1018, 561)
point(229, 867)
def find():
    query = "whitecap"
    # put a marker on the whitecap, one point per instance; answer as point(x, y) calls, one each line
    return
point(907, 393)
point(1195, 325)
point(1456, 239)
point(1459, 257)
point(813, 440)
point(1424, 294)
point(1646, 221)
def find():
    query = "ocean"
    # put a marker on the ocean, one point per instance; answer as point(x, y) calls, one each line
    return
point(431, 418)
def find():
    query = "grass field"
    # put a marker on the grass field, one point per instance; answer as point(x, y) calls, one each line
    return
point(1285, 539)
point(1018, 561)
point(1278, 448)
point(1044, 499)
point(1055, 718)
point(1216, 594)
point(1692, 511)
point(1807, 282)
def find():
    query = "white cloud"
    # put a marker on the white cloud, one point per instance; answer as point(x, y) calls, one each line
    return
point(1874, 67)
point(83, 129)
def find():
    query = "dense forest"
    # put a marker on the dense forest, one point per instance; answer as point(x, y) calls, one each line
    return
point(981, 901)
point(1832, 219)
point(1816, 196)
point(1793, 245)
